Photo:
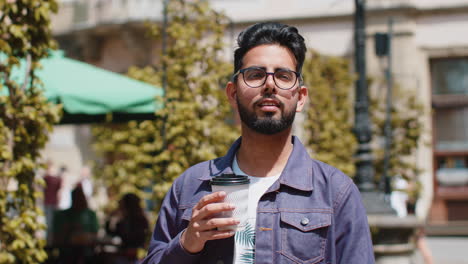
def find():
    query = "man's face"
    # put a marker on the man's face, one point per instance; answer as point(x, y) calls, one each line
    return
point(267, 109)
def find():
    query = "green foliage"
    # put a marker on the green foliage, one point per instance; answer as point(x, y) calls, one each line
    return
point(329, 115)
point(25, 119)
point(192, 127)
point(407, 128)
point(329, 122)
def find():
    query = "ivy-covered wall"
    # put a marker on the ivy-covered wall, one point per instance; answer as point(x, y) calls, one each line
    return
point(25, 120)
point(196, 123)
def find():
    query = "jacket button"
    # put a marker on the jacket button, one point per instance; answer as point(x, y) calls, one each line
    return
point(304, 221)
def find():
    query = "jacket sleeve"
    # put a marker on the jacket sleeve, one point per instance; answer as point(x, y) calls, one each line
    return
point(353, 239)
point(165, 247)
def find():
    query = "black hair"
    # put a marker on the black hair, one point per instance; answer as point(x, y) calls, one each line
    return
point(63, 169)
point(131, 203)
point(270, 33)
point(78, 198)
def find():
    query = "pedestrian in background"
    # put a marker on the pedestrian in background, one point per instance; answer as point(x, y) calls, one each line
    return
point(53, 184)
point(75, 230)
point(86, 182)
point(130, 225)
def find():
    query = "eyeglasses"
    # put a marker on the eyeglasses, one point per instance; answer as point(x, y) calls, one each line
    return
point(255, 77)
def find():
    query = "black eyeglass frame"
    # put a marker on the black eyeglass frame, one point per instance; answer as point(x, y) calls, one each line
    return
point(298, 77)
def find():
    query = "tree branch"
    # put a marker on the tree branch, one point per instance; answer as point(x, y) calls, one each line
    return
point(7, 164)
point(10, 133)
point(28, 72)
point(2, 17)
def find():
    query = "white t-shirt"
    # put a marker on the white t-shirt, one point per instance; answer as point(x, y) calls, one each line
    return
point(244, 246)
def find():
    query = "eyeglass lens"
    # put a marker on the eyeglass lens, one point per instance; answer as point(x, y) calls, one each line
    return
point(256, 77)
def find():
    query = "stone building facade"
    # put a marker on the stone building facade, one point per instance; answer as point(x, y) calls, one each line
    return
point(430, 58)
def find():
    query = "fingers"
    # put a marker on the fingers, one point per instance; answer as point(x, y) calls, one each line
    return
point(210, 198)
point(195, 243)
point(213, 210)
point(210, 205)
point(214, 223)
point(209, 229)
point(213, 235)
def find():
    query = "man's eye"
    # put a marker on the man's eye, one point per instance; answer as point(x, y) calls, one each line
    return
point(255, 75)
point(283, 76)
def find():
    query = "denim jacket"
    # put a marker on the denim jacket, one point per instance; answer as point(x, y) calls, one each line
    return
point(312, 214)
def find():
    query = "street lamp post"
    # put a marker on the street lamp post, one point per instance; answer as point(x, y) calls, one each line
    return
point(373, 198)
point(388, 119)
point(164, 67)
point(394, 239)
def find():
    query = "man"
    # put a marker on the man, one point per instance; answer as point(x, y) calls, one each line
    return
point(302, 210)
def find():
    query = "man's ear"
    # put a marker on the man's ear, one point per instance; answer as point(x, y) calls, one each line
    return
point(231, 93)
point(303, 95)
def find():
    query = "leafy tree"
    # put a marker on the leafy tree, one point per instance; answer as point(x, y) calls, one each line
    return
point(329, 122)
point(407, 128)
point(329, 115)
point(194, 124)
point(25, 118)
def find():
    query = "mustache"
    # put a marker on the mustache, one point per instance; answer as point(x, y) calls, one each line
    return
point(269, 96)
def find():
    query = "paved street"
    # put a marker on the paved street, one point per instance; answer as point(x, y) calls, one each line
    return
point(449, 250)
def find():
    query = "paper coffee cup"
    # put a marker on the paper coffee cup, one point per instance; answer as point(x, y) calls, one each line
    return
point(237, 193)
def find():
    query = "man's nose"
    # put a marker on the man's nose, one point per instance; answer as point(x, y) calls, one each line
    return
point(270, 85)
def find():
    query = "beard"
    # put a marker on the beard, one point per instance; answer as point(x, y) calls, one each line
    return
point(267, 125)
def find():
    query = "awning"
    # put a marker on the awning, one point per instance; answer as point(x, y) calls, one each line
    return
point(91, 94)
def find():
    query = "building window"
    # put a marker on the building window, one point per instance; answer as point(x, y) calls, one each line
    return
point(450, 76)
point(450, 122)
point(451, 129)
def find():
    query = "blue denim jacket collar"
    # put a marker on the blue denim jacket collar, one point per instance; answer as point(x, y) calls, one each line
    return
point(293, 174)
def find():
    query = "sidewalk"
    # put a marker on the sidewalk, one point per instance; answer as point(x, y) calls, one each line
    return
point(448, 250)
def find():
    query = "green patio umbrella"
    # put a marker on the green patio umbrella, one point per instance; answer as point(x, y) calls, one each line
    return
point(91, 94)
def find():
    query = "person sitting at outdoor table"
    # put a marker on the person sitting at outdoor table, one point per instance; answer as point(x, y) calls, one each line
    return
point(75, 230)
point(130, 224)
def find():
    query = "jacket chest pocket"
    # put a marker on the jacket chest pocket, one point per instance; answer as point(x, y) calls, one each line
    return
point(304, 235)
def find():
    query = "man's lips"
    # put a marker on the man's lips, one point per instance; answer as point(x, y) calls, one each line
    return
point(269, 105)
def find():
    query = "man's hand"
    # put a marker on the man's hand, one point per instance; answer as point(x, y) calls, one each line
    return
point(203, 226)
